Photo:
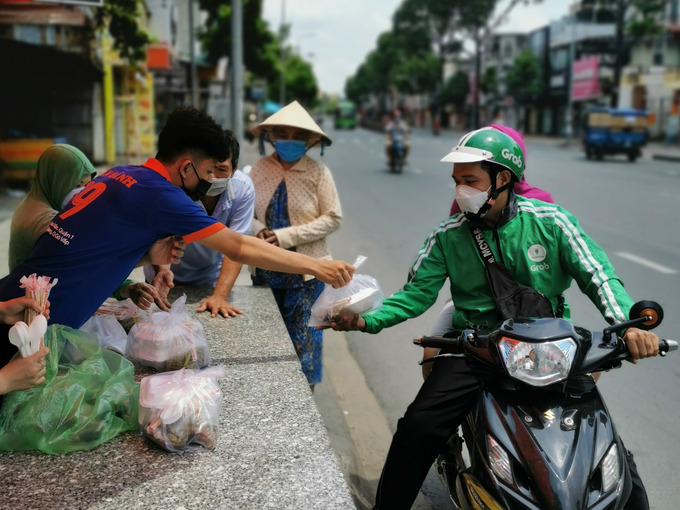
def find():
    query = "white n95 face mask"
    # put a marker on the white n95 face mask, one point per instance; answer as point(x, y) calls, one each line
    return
point(219, 185)
point(470, 199)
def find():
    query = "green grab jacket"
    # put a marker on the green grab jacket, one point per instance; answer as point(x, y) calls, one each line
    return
point(542, 245)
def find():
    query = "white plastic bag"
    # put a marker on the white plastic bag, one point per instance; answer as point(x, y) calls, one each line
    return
point(360, 296)
point(169, 340)
point(110, 332)
point(180, 410)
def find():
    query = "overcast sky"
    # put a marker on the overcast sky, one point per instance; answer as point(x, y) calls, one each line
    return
point(336, 35)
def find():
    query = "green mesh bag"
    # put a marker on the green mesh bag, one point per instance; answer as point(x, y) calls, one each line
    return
point(89, 397)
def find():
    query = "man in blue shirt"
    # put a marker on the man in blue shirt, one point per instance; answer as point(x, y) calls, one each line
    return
point(230, 200)
point(102, 234)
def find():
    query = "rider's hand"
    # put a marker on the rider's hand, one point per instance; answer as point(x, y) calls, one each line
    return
point(641, 344)
point(345, 323)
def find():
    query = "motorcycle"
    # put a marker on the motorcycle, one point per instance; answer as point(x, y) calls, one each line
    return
point(397, 155)
point(540, 435)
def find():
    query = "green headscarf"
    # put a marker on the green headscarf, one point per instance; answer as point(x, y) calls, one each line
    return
point(60, 168)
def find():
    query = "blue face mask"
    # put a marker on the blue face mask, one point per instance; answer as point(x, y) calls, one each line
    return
point(290, 150)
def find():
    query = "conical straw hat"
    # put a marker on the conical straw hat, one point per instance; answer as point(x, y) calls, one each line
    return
point(293, 115)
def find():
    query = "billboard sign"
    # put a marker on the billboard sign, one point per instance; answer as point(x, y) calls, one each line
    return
point(585, 79)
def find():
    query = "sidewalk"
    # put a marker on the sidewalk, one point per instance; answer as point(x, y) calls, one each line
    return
point(273, 450)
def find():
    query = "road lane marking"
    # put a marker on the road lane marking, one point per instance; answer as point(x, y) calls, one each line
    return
point(646, 263)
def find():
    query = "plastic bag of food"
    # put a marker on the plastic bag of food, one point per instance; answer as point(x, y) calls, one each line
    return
point(89, 396)
point(169, 340)
point(359, 297)
point(109, 331)
point(180, 410)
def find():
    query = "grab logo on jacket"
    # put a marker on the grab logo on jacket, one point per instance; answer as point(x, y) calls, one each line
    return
point(537, 253)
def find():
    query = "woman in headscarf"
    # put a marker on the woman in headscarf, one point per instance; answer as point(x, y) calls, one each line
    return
point(61, 169)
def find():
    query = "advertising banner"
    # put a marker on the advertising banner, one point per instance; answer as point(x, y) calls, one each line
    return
point(585, 82)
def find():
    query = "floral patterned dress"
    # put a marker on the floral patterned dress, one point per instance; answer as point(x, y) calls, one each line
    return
point(294, 296)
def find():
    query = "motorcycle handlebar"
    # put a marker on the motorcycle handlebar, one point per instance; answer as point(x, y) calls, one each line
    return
point(439, 342)
point(666, 346)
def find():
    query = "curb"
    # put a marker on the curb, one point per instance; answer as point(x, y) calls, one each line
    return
point(665, 157)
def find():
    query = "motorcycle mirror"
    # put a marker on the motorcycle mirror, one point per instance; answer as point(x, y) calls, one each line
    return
point(647, 308)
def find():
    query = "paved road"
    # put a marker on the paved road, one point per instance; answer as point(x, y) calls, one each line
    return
point(627, 208)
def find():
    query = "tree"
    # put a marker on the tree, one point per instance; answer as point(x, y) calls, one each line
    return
point(489, 85)
point(121, 17)
point(456, 90)
point(524, 79)
point(396, 65)
point(300, 80)
point(261, 48)
point(635, 19)
point(449, 24)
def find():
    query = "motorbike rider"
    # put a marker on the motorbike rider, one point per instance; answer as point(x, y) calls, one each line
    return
point(396, 130)
point(541, 244)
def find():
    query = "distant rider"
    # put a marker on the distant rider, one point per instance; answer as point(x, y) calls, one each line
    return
point(396, 130)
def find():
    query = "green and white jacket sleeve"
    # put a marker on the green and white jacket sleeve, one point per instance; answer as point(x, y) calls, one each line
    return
point(426, 277)
point(588, 264)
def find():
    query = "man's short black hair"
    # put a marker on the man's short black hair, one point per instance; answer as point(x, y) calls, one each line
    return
point(189, 129)
point(234, 147)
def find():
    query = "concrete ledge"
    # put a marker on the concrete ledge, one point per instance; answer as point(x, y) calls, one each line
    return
point(273, 450)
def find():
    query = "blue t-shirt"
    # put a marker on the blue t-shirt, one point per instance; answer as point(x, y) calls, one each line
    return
point(201, 265)
point(98, 238)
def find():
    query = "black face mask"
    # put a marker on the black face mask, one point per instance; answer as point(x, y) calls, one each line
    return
point(201, 188)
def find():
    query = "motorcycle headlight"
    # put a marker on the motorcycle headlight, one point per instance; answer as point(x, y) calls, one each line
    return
point(538, 364)
point(610, 469)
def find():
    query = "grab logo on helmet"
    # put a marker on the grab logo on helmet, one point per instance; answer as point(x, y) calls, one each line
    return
point(509, 155)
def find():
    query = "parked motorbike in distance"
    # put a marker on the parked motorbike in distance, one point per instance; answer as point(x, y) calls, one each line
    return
point(397, 155)
point(540, 436)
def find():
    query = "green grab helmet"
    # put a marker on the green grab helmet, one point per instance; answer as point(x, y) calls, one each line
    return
point(488, 144)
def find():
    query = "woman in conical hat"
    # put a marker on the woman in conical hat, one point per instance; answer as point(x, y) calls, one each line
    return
point(292, 116)
point(296, 207)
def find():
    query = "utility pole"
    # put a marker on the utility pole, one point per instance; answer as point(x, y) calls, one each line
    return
point(237, 69)
point(569, 124)
point(478, 74)
point(622, 6)
point(282, 37)
point(194, 84)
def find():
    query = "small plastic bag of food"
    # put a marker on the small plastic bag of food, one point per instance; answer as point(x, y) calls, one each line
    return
point(169, 340)
point(180, 410)
point(360, 296)
point(108, 330)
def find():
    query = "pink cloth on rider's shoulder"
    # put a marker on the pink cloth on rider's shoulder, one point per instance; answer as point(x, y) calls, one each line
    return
point(522, 187)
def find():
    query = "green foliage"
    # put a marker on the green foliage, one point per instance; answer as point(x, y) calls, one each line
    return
point(410, 57)
point(643, 20)
point(401, 60)
point(300, 81)
point(260, 45)
point(524, 78)
point(456, 89)
point(121, 17)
